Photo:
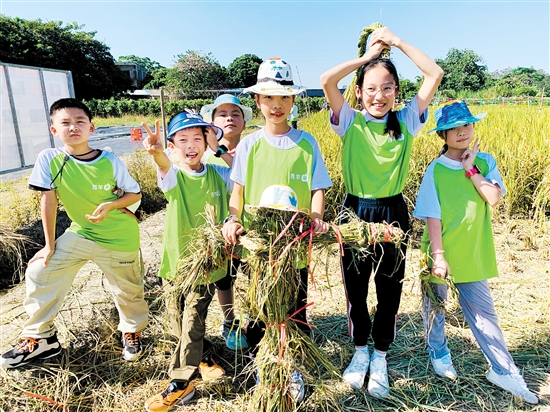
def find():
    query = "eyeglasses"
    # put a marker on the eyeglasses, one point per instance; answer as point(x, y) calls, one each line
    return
point(386, 90)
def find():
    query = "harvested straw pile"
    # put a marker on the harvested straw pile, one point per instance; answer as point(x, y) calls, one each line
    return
point(12, 246)
point(276, 246)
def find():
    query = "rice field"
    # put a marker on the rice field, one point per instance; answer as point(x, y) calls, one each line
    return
point(90, 375)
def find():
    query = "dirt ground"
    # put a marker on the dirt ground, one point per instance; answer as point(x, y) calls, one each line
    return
point(87, 329)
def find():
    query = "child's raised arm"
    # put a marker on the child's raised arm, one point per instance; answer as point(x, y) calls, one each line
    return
point(430, 70)
point(154, 147)
point(491, 193)
point(329, 79)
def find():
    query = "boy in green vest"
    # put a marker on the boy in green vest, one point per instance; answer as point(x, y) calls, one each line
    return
point(97, 192)
point(188, 187)
point(278, 160)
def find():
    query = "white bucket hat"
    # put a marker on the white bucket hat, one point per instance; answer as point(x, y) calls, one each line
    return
point(279, 197)
point(208, 109)
point(275, 79)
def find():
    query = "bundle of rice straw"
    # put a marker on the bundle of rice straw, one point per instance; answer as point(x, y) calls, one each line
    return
point(12, 248)
point(349, 94)
point(277, 244)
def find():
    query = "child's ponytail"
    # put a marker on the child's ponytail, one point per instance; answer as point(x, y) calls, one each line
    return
point(393, 127)
point(443, 135)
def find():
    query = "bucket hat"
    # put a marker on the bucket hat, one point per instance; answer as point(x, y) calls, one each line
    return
point(275, 79)
point(208, 109)
point(280, 197)
point(187, 119)
point(453, 114)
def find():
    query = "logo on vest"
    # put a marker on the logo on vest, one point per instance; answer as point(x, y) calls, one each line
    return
point(297, 176)
point(102, 187)
point(215, 194)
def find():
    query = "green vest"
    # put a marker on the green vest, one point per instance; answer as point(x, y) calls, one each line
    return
point(185, 211)
point(374, 165)
point(267, 165)
point(82, 187)
point(466, 226)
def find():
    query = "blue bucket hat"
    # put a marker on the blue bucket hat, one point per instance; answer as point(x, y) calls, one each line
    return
point(453, 114)
point(208, 109)
point(187, 119)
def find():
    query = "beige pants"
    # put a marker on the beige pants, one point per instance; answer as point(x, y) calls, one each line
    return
point(192, 328)
point(48, 286)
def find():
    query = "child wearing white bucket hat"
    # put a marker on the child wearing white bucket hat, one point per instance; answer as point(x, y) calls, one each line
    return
point(231, 116)
point(268, 161)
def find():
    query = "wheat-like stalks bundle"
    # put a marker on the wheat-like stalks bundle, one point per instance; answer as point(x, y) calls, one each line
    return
point(349, 94)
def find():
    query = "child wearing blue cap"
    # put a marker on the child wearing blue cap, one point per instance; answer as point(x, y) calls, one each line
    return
point(188, 187)
point(231, 116)
point(455, 198)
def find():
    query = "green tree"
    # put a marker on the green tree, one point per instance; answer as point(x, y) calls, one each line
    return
point(65, 47)
point(194, 72)
point(146, 62)
point(158, 78)
point(521, 81)
point(243, 71)
point(407, 89)
point(464, 71)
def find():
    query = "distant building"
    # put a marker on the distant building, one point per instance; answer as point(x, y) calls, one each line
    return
point(135, 71)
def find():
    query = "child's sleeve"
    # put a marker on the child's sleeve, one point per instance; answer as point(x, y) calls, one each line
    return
point(238, 170)
point(411, 116)
point(225, 173)
point(169, 181)
point(493, 175)
point(123, 178)
point(347, 116)
point(320, 177)
point(41, 177)
point(427, 201)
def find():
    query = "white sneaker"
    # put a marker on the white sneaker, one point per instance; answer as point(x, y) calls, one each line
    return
point(297, 388)
point(444, 367)
point(513, 383)
point(378, 382)
point(355, 373)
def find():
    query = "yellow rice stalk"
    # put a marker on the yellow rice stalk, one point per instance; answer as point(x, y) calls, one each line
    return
point(12, 246)
point(349, 94)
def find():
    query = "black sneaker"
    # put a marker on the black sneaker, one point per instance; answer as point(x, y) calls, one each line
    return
point(131, 342)
point(30, 349)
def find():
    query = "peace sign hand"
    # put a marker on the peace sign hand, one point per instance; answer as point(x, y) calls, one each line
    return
point(469, 156)
point(152, 142)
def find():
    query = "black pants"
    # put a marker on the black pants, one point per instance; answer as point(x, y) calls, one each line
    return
point(228, 280)
point(255, 330)
point(388, 262)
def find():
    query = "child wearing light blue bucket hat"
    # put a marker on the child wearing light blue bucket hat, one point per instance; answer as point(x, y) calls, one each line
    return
point(455, 198)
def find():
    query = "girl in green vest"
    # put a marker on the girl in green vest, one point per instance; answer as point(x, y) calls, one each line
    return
point(376, 148)
point(455, 198)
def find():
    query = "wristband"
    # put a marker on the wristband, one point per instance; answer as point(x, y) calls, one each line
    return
point(221, 150)
point(473, 171)
point(438, 252)
point(231, 218)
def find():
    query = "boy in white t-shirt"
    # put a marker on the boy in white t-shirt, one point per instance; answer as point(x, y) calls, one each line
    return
point(97, 192)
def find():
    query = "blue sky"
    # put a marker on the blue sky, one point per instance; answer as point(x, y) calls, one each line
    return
point(311, 35)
